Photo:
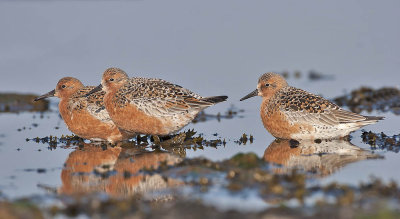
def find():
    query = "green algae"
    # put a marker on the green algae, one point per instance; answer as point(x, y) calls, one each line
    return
point(246, 161)
point(136, 208)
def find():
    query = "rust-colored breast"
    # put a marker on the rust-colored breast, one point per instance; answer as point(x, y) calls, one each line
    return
point(81, 123)
point(279, 152)
point(134, 120)
point(119, 185)
point(78, 178)
point(277, 124)
point(84, 161)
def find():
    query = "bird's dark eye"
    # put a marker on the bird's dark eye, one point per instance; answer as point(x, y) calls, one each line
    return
point(111, 79)
point(267, 85)
point(63, 86)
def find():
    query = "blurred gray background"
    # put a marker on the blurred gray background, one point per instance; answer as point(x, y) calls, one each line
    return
point(211, 47)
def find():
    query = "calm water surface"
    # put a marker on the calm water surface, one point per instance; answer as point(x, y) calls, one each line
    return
point(212, 48)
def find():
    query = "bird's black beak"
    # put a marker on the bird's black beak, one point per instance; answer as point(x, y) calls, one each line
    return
point(252, 94)
point(98, 88)
point(49, 94)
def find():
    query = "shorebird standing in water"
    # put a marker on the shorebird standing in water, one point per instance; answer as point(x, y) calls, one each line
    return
point(85, 116)
point(148, 105)
point(291, 113)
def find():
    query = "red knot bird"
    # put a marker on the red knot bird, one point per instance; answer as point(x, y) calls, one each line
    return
point(291, 113)
point(85, 116)
point(148, 105)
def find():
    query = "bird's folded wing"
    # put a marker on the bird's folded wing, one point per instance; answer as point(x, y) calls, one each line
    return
point(329, 117)
point(160, 98)
point(301, 106)
point(94, 103)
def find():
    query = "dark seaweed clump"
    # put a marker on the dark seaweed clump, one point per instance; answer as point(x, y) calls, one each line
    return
point(368, 99)
point(188, 140)
point(244, 139)
point(382, 141)
point(53, 141)
point(177, 144)
point(11, 102)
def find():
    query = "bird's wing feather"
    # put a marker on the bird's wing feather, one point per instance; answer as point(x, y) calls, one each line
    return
point(93, 103)
point(160, 98)
point(301, 106)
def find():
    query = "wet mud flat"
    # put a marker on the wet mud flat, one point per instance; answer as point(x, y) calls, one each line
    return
point(183, 208)
point(149, 177)
point(155, 188)
point(145, 178)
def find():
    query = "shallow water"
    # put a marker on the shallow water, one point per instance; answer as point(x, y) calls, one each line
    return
point(212, 48)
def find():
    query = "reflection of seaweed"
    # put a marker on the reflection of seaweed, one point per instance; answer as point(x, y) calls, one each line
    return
point(382, 141)
point(232, 112)
point(384, 99)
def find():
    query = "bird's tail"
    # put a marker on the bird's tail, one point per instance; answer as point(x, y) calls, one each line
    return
point(214, 99)
point(372, 119)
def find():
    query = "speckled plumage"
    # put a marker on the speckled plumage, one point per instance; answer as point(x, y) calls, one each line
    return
point(159, 98)
point(85, 116)
point(93, 103)
point(291, 113)
point(150, 105)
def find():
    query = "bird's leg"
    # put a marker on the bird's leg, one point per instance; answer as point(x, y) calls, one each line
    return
point(156, 140)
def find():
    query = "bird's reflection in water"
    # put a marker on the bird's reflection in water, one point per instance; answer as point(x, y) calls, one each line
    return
point(319, 158)
point(114, 170)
